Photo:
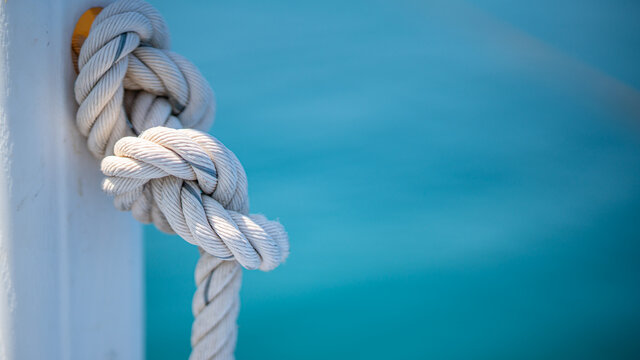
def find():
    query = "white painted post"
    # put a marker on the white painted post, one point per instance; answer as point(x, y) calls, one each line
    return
point(70, 264)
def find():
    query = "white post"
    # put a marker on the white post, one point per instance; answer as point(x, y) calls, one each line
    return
point(70, 264)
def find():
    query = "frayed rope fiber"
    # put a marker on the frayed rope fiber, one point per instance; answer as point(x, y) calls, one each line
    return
point(143, 109)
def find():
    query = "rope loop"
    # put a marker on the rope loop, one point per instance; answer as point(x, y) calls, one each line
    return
point(127, 55)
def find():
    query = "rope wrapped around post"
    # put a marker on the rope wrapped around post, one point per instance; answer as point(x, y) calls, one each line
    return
point(143, 109)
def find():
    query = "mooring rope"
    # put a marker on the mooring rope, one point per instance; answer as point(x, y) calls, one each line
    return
point(142, 108)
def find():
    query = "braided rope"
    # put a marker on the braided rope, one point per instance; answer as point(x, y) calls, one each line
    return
point(141, 107)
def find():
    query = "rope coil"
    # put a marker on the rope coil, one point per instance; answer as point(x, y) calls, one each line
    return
point(142, 108)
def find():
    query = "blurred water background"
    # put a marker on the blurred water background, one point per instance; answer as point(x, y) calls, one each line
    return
point(459, 179)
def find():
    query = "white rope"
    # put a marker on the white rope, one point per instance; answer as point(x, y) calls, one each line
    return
point(183, 180)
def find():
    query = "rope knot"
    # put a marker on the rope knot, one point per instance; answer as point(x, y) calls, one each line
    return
point(200, 190)
point(183, 180)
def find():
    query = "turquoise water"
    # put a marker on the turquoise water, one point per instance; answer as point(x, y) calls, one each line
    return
point(459, 179)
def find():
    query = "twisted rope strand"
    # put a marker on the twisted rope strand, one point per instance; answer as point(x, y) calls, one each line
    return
point(141, 107)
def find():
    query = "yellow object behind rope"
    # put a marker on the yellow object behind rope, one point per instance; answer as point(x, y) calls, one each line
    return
point(81, 32)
